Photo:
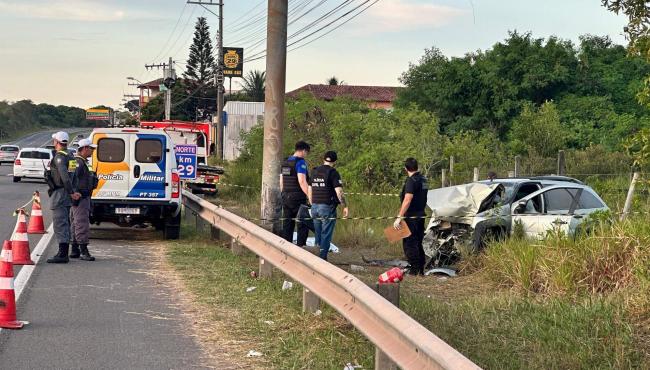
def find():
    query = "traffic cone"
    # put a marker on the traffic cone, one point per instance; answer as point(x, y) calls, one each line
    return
point(7, 297)
point(20, 242)
point(36, 225)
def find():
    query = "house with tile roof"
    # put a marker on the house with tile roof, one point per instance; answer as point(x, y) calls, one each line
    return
point(377, 97)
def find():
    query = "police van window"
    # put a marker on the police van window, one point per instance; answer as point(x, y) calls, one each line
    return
point(110, 150)
point(148, 150)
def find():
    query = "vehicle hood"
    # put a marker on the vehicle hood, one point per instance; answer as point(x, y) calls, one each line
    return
point(462, 202)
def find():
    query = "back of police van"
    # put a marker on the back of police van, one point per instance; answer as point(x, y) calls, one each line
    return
point(138, 179)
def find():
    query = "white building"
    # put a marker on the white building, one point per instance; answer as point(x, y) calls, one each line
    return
point(241, 117)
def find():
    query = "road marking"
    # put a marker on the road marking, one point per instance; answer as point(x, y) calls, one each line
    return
point(26, 271)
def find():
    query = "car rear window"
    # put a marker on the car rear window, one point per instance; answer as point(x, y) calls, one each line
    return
point(8, 149)
point(42, 155)
point(27, 154)
point(589, 201)
point(110, 150)
point(148, 150)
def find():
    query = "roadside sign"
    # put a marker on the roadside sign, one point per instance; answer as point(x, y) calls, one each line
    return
point(98, 114)
point(186, 160)
point(233, 60)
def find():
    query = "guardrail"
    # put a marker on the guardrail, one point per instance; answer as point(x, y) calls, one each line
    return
point(393, 332)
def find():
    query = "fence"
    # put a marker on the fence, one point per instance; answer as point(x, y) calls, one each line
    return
point(396, 335)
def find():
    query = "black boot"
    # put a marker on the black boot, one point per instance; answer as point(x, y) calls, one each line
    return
point(74, 251)
point(62, 256)
point(85, 255)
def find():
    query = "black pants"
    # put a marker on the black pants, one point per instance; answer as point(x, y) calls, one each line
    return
point(290, 211)
point(413, 245)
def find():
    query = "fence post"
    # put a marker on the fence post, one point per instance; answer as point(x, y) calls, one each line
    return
point(236, 248)
point(561, 165)
point(451, 170)
point(391, 293)
point(517, 165)
point(511, 174)
point(310, 301)
point(266, 269)
point(476, 174)
point(630, 194)
point(443, 180)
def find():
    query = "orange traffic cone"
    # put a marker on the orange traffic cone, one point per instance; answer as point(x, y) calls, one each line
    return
point(7, 297)
point(36, 225)
point(20, 242)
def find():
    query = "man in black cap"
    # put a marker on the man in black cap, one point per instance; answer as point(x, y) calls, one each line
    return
point(294, 187)
point(414, 201)
point(325, 194)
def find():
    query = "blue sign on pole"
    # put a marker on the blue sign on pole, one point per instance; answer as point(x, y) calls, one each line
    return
point(186, 160)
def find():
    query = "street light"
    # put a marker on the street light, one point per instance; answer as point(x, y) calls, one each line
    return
point(134, 79)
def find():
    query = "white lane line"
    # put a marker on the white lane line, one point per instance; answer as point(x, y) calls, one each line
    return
point(26, 271)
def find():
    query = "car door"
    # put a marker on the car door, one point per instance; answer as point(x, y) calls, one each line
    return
point(548, 210)
point(110, 162)
point(148, 175)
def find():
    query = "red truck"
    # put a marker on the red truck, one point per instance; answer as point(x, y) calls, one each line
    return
point(199, 134)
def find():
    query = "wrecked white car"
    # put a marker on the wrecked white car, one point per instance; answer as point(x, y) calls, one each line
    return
point(464, 217)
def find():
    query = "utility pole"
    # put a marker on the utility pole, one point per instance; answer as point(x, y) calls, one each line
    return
point(219, 77)
point(276, 69)
point(169, 76)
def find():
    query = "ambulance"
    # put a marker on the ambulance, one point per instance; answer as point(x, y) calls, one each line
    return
point(138, 179)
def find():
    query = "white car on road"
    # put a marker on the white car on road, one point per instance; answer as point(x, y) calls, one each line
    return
point(8, 153)
point(32, 163)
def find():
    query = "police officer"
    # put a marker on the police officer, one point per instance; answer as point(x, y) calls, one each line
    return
point(293, 185)
point(414, 200)
point(84, 180)
point(325, 194)
point(61, 195)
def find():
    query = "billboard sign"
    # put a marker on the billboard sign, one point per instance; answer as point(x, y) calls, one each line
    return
point(98, 114)
point(233, 61)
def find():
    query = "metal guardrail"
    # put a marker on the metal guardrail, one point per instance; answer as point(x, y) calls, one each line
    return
point(397, 335)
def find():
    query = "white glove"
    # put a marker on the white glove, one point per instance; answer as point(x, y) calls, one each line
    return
point(397, 225)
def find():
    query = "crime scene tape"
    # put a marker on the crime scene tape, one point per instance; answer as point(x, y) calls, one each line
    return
point(346, 193)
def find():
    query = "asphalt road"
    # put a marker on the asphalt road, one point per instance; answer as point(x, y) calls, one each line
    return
point(114, 313)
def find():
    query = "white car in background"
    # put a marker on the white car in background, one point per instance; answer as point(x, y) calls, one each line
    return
point(32, 163)
point(8, 153)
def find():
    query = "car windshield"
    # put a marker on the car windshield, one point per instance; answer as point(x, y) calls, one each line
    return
point(8, 149)
point(509, 189)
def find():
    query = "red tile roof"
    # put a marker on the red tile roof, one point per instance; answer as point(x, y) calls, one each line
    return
point(151, 84)
point(366, 93)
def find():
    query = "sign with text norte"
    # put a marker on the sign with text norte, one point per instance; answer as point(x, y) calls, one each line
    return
point(94, 114)
point(186, 160)
point(233, 61)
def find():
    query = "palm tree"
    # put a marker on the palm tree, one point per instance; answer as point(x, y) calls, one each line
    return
point(254, 85)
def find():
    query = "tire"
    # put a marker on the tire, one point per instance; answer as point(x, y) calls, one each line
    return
point(16, 179)
point(172, 228)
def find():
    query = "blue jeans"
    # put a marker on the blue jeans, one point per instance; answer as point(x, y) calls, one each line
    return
point(324, 229)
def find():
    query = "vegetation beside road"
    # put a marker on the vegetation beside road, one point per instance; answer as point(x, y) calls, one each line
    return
point(24, 117)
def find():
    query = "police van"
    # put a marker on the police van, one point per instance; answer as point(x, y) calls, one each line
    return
point(138, 179)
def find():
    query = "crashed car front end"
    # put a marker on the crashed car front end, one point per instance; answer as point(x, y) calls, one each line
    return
point(462, 217)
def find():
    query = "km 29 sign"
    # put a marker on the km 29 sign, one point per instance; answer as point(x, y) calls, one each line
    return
point(186, 159)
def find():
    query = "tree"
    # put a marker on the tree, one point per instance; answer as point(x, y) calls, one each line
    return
point(201, 65)
point(333, 81)
point(538, 131)
point(254, 85)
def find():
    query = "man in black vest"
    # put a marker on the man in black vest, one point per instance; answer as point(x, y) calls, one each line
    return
point(414, 201)
point(325, 194)
point(84, 180)
point(293, 185)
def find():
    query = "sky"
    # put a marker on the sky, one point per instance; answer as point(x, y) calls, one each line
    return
point(80, 52)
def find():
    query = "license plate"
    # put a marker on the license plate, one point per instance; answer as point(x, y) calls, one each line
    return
point(127, 211)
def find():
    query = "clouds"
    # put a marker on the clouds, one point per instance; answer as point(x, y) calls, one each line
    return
point(72, 10)
point(405, 15)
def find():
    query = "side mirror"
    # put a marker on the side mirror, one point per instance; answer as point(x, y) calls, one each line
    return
point(519, 207)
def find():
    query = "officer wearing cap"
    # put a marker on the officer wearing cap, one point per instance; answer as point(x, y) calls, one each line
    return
point(412, 211)
point(62, 193)
point(293, 186)
point(325, 194)
point(84, 180)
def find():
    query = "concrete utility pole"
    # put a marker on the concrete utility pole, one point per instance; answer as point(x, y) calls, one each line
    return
point(276, 68)
point(168, 74)
point(217, 131)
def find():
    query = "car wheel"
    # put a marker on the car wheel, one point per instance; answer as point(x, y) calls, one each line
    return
point(172, 228)
point(16, 178)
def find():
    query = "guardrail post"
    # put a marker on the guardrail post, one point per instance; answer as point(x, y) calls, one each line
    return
point(200, 224)
point(266, 269)
point(310, 301)
point(391, 293)
point(215, 234)
point(236, 248)
point(188, 214)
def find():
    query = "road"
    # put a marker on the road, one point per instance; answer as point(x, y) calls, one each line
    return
point(115, 313)
point(39, 139)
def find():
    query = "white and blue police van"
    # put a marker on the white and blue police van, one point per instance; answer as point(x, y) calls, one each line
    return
point(138, 179)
